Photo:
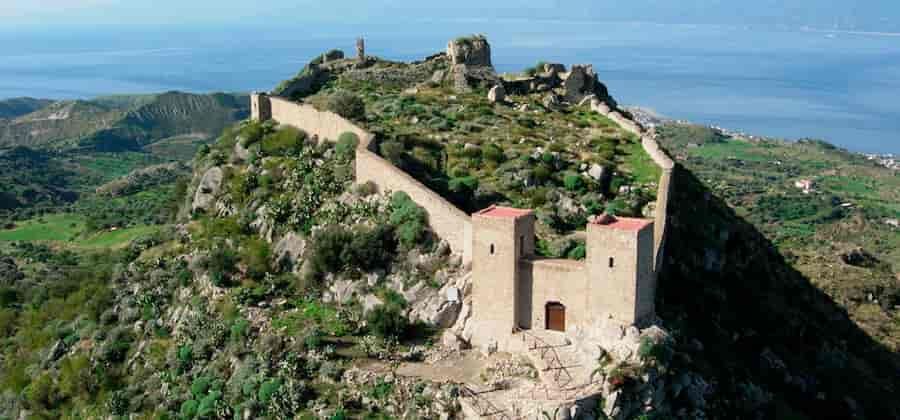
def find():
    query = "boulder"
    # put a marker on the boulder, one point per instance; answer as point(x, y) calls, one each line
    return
point(472, 51)
point(598, 172)
point(288, 251)
point(240, 152)
point(209, 187)
point(446, 314)
point(451, 341)
point(552, 101)
point(370, 302)
point(497, 94)
point(342, 291)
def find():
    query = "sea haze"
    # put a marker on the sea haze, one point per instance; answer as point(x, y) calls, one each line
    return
point(780, 82)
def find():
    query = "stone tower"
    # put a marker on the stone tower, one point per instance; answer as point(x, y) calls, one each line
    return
point(501, 237)
point(360, 49)
point(622, 282)
point(260, 107)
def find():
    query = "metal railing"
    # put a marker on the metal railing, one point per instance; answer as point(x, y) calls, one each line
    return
point(553, 362)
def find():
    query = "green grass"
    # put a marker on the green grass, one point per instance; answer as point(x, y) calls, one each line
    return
point(70, 228)
point(56, 227)
point(733, 149)
point(640, 165)
point(114, 239)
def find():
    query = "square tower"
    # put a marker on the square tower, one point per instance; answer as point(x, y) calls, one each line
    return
point(260, 107)
point(501, 237)
point(621, 278)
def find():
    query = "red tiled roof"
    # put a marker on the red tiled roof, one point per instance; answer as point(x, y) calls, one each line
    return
point(497, 211)
point(622, 223)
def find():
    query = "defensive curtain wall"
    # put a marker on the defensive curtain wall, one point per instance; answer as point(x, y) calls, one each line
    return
point(450, 223)
point(447, 221)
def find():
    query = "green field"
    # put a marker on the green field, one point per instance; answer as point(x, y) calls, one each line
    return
point(70, 229)
point(56, 227)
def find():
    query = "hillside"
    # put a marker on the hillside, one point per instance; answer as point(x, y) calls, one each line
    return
point(68, 148)
point(832, 214)
point(122, 123)
point(270, 285)
point(15, 107)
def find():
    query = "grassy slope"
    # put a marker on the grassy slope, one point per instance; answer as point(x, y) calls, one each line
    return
point(476, 153)
point(852, 200)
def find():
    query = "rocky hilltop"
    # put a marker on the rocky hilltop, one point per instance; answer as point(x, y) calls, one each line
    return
point(284, 289)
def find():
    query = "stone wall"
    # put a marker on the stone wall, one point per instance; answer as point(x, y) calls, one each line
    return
point(664, 190)
point(324, 124)
point(450, 223)
point(549, 280)
point(447, 221)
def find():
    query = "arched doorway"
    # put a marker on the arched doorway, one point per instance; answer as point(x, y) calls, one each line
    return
point(556, 316)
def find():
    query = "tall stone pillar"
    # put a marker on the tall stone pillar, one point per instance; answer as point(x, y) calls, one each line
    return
point(360, 49)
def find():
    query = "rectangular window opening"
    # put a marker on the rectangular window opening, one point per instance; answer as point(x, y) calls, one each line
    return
point(612, 262)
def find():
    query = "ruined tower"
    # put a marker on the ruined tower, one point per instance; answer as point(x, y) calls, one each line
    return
point(502, 236)
point(260, 107)
point(622, 282)
point(360, 49)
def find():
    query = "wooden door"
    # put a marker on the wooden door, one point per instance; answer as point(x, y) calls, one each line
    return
point(556, 317)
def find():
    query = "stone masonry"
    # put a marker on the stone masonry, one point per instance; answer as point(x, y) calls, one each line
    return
point(513, 289)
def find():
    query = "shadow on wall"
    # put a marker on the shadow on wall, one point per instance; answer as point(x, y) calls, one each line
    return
point(760, 321)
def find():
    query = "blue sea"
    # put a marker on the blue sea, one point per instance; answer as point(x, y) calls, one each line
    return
point(782, 82)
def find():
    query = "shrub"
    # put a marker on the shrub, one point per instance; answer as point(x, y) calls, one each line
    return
point(387, 321)
point(493, 153)
point(466, 184)
point(268, 389)
point(394, 152)
point(573, 182)
point(41, 393)
point(285, 141)
point(251, 134)
point(366, 189)
point(255, 255)
point(347, 105)
point(239, 329)
point(327, 250)
point(346, 145)
point(221, 264)
point(579, 252)
point(200, 386)
point(188, 409)
point(408, 219)
point(185, 357)
point(541, 174)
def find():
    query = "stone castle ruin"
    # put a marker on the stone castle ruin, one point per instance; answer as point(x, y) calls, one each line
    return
point(514, 289)
point(518, 300)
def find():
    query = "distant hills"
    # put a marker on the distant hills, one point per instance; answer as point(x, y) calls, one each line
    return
point(52, 152)
point(118, 123)
point(16, 107)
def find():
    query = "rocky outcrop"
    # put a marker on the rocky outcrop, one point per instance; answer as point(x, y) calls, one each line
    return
point(497, 94)
point(209, 187)
point(288, 251)
point(581, 82)
point(471, 51)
